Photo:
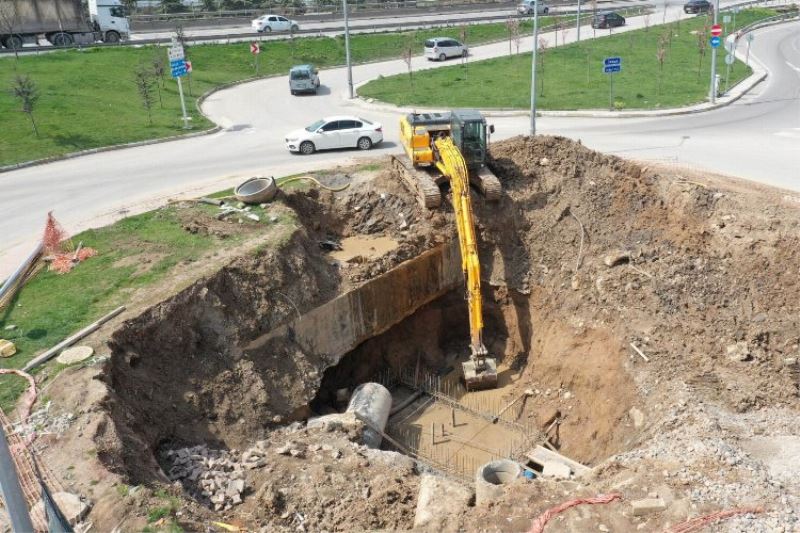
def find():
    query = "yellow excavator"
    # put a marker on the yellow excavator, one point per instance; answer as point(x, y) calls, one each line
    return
point(454, 143)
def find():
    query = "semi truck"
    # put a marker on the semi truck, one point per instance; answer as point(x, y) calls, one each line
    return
point(61, 22)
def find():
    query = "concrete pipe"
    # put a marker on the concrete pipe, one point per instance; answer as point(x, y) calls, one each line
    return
point(491, 477)
point(371, 402)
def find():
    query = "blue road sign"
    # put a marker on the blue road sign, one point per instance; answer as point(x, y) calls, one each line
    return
point(612, 61)
point(715, 42)
point(178, 68)
point(610, 69)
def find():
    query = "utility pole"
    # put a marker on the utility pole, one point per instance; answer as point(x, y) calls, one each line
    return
point(533, 65)
point(578, 24)
point(347, 50)
point(16, 505)
point(712, 91)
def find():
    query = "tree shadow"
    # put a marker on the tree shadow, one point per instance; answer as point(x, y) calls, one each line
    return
point(75, 140)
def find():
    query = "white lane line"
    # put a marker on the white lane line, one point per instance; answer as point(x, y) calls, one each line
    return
point(796, 69)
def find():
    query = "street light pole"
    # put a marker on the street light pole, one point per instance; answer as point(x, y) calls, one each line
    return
point(533, 65)
point(578, 23)
point(712, 91)
point(347, 51)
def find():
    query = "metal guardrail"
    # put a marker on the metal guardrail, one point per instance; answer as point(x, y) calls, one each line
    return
point(232, 37)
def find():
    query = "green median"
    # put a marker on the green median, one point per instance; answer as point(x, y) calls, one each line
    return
point(571, 77)
point(88, 98)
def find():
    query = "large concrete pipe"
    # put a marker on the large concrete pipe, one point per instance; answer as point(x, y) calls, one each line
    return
point(371, 402)
point(491, 477)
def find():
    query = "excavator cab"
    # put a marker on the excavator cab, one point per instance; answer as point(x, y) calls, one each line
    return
point(469, 133)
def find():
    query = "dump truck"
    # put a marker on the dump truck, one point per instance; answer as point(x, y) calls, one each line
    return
point(61, 22)
point(451, 147)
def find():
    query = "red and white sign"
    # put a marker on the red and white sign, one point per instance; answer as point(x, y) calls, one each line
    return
point(188, 66)
point(716, 30)
point(255, 49)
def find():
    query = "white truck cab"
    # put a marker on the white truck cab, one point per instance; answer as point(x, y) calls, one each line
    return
point(110, 19)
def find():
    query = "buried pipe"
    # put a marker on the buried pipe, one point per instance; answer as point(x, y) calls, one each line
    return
point(15, 279)
point(371, 402)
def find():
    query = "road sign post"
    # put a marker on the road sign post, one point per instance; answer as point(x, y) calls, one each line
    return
point(730, 57)
point(533, 66)
point(347, 50)
point(610, 66)
point(255, 49)
point(577, 23)
point(716, 31)
point(177, 63)
point(750, 38)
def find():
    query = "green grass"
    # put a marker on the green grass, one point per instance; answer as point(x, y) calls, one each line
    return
point(88, 98)
point(50, 307)
point(571, 77)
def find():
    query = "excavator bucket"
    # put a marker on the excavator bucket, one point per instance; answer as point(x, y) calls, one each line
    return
point(480, 376)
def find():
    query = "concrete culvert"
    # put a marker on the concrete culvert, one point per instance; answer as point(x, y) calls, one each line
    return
point(371, 402)
point(491, 477)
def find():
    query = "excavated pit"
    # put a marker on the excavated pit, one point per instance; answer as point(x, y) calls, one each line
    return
point(584, 256)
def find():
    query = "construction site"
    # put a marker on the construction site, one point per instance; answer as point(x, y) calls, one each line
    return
point(584, 344)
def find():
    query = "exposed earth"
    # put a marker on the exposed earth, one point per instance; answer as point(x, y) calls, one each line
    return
point(652, 313)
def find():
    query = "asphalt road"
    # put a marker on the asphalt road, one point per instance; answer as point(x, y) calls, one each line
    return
point(756, 138)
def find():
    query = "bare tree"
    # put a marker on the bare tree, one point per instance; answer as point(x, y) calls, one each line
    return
point(540, 74)
point(701, 49)
point(159, 69)
point(594, 13)
point(143, 78)
point(408, 55)
point(513, 34)
point(24, 89)
point(462, 33)
point(661, 54)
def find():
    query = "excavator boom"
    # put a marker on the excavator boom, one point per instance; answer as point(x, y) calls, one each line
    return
point(481, 371)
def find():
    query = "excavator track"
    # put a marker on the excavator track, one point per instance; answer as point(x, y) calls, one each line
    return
point(419, 182)
point(487, 183)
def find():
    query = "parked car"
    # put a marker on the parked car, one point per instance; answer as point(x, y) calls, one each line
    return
point(274, 23)
point(608, 19)
point(443, 47)
point(303, 79)
point(335, 132)
point(697, 6)
point(527, 7)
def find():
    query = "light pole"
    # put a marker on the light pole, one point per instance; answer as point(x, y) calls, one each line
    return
point(578, 23)
point(347, 50)
point(533, 65)
point(712, 91)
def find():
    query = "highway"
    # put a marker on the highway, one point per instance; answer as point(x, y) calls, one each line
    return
point(755, 138)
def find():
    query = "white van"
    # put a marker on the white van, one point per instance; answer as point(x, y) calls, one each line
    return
point(443, 47)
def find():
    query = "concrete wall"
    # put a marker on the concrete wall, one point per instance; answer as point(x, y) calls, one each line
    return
point(338, 326)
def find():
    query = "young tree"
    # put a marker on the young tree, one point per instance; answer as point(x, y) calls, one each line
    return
point(661, 54)
point(462, 33)
point(512, 25)
point(701, 49)
point(594, 13)
point(9, 21)
point(24, 89)
point(540, 74)
point(159, 69)
point(408, 56)
point(143, 78)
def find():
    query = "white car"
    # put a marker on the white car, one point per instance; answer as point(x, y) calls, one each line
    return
point(443, 47)
point(527, 7)
point(335, 132)
point(274, 23)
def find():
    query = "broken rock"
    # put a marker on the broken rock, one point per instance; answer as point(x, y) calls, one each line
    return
point(648, 506)
point(738, 352)
point(557, 470)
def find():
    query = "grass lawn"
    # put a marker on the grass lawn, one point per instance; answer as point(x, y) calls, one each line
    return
point(88, 98)
point(571, 77)
point(134, 253)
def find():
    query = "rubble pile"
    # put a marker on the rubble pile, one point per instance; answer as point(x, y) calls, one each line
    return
point(373, 212)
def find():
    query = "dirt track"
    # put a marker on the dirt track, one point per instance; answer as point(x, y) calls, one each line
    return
point(584, 255)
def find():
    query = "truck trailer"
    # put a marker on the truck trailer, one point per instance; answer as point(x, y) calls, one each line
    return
point(61, 22)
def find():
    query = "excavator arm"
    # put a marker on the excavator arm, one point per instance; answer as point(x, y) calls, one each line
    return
point(480, 372)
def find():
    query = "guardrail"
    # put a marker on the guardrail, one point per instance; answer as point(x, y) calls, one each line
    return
point(374, 28)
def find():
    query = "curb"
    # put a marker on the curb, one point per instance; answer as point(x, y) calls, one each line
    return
point(743, 87)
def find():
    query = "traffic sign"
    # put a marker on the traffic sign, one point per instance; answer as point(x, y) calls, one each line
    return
point(716, 30)
point(255, 48)
point(175, 53)
point(750, 37)
point(726, 19)
point(610, 69)
point(729, 59)
point(178, 68)
point(612, 61)
point(715, 42)
point(188, 66)
point(730, 43)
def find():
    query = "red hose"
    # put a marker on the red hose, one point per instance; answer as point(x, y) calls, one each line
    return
point(699, 522)
point(544, 518)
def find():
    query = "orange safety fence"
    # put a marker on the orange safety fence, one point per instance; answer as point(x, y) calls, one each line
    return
point(545, 517)
point(59, 248)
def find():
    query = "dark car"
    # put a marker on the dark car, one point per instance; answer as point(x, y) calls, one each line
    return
point(608, 19)
point(697, 6)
